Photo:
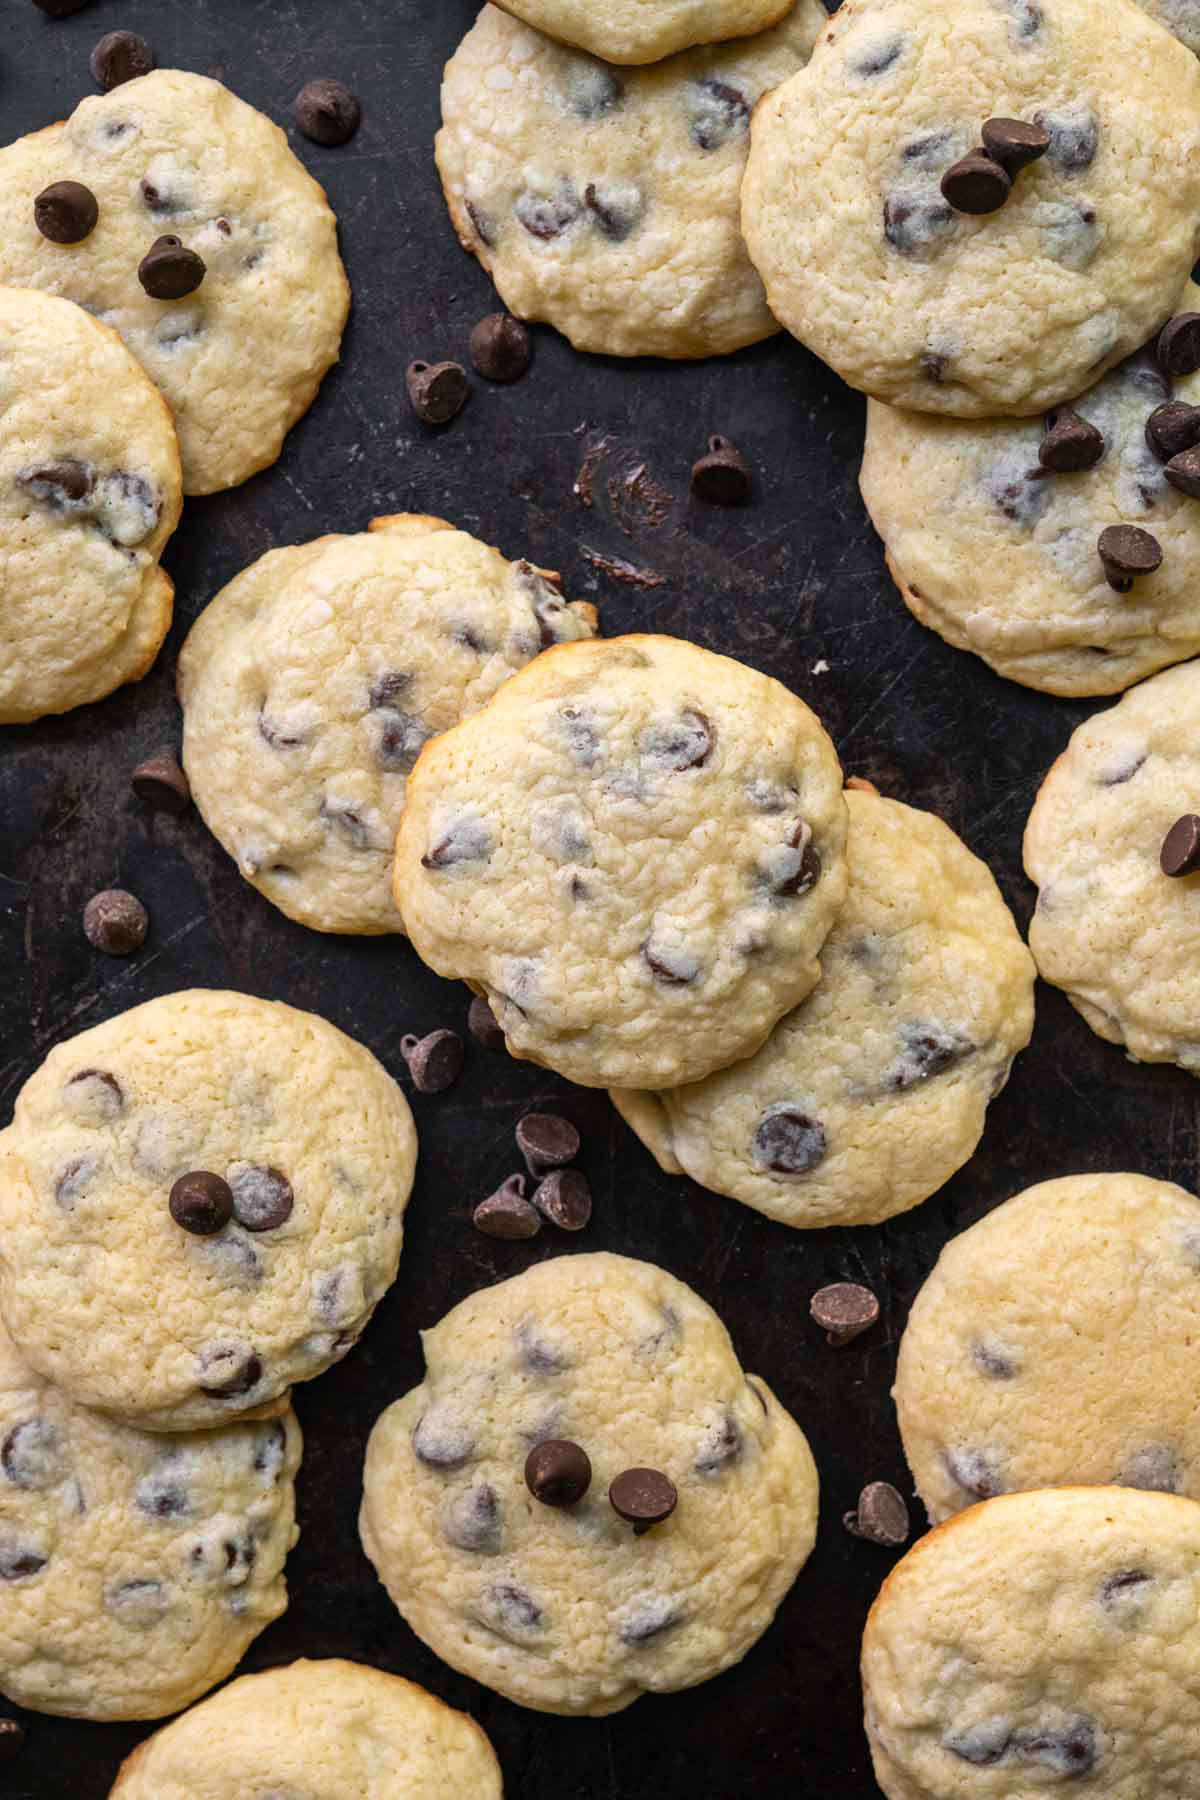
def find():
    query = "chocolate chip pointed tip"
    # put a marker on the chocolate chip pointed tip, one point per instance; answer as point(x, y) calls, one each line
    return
point(881, 1516)
point(507, 1214)
point(435, 1061)
point(500, 348)
point(722, 475)
point(558, 1472)
point(120, 56)
point(115, 922)
point(1180, 854)
point(161, 783)
point(327, 111)
point(844, 1310)
point(437, 391)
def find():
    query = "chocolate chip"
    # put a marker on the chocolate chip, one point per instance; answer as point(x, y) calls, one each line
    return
point(1180, 854)
point(1071, 443)
point(12, 1738)
point(975, 1472)
point(717, 112)
point(800, 872)
point(327, 112)
point(976, 184)
point(72, 1179)
point(161, 1494)
point(788, 1142)
point(1178, 348)
point(720, 1446)
point(547, 217)
point(722, 475)
point(593, 90)
point(262, 1197)
point(879, 60)
point(547, 1142)
point(32, 1456)
point(993, 1362)
point(928, 1052)
point(66, 212)
point(673, 968)
point(473, 1521)
point(1183, 472)
point(1074, 139)
point(643, 1497)
point(270, 1449)
point(513, 1610)
point(500, 347)
point(616, 209)
point(115, 922)
point(63, 483)
point(120, 56)
point(565, 1198)
point(648, 1620)
point(1069, 1752)
point(1014, 144)
point(881, 1516)
point(237, 1369)
point(61, 9)
point(1155, 1467)
point(105, 1094)
point(139, 1602)
point(438, 391)
point(483, 1025)
point(1173, 428)
point(912, 227)
point(161, 783)
point(201, 1203)
point(686, 745)
point(169, 270)
point(468, 840)
point(18, 1561)
point(844, 1311)
point(1119, 1587)
point(507, 1213)
point(558, 1473)
point(1127, 552)
point(435, 1061)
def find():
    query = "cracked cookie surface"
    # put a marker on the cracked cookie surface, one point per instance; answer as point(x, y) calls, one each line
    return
point(645, 31)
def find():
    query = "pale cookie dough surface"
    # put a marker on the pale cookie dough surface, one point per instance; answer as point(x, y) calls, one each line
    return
point(311, 682)
point(1180, 16)
point(1118, 935)
point(566, 1609)
point(867, 1098)
point(1088, 1287)
point(90, 491)
point(1004, 313)
point(329, 1730)
point(1038, 1644)
point(604, 201)
point(644, 31)
point(137, 1569)
point(241, 358)
point(102, 1290)
point(636, 851)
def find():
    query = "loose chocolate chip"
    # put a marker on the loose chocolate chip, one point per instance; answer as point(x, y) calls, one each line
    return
point(161, 783)
point(1127, 552)
point(1014, 144)
point(434, 1062)
point(643, 1497)
point(1180, 853)
point(976, 184)
point(120, 56)
point(1071, 443)
point(1173, 428)
point(500, 347)
point(115, 922)
point(66, 212)
point(1183, 472)
point(238, 1371)
point(201, 1203)
point(483, 1025)
point(169, 270)
point(262, 1197)
point(32, 1456)
point(722, 475)
point(547, 1142)
point(844, 1311)
point(507, 1213)
point(788, 1142)
point(327, 112)
point(720, 1446)
point(438, 391)
point(12, 1738)
point(565, 1198)
point(881, 1516)
point(1178, 347)
point(558, 1473)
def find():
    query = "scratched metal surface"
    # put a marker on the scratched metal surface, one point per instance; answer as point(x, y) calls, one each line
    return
point(794, 581)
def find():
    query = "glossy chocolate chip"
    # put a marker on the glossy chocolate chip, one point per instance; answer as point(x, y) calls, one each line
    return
point(202, 1203)
point(32, 1455)
point(435, 1061)
point(507, 1213)
point(1014, 144)
point(230, 1371)
point(881, 1516)
point(547, 1141)
point(976, 184)
point(1178, 347)
point(161, 783)
point(787, 1141)
point(500, 347)
point(438, 391)
point(558, 1473)
point(718, 112)
point(844, 1310)
point(169, 270)
point(484, 1026)
point(262, 1197)
point(1180, 854)
point(565, 1198)
point(120, 56)
point(115, 922)
point(1183, 473)
point(66, 212)
point(1071, 443)
point(720, 1446)
point(12, 1739)
point(1128, 552)
point(1173, 428)
point(722, 475)
point(473, 1520)
point(327, 112)
point(643, 1497)
point(19, 1561)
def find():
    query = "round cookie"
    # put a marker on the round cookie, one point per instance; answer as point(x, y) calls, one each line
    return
point(567, 1608)
point(977, 314)
point(1038, 1641)
point(137, 1569)
point(311, 682)
point(644, 31)
point(605, 201)
point(1087, 1287)
point(172, 154)
point(1180, 16)
point(90, 491)
point(107, 1295)
point(635, 851)
point(867, 1098)
point(1120, 936)
point(322, 1730)
point(999, 555)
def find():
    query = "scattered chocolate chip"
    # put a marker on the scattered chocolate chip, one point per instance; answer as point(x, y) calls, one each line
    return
point(1127, 552)
point(788, 1142)
point(844, 1311)
point(547, 1142)
point(12, 1738)
point(115, 922)
point(1180, 853)
point(1014, 144)
point(1071, 443)
point(1178, 348)
point(66, 212)
point(327, 112)
point(161, 783)
point(507, 1213)
point(1173, 428)
point(722, 475)
point(976, 184)
point(881, 1516)
point(565, 1198)
point(558, 1473)
point(500, 347)
point(262, 1197)
point(643, 1497)
point(1183, 472)
point(484, 1026)
point(438, 391)
point(120, 56)
point(169, 270)
point(434, 1062)
point(61, 9)
point(201, 1203)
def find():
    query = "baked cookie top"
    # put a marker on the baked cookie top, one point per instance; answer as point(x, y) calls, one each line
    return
point(565, 1607)
point(1111, 928)
point(923, 303)
point(644, 31)
point(325, 1730)
point(868, 1097)
point(145, 1318)
point(636, 851)
point(311, 682)
point(172, 154)
point(605, 201)
point(90, 491)
point(137, 1569)
point(1039, 1641)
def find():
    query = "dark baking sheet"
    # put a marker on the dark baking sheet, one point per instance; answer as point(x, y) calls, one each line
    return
point(793, 580)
